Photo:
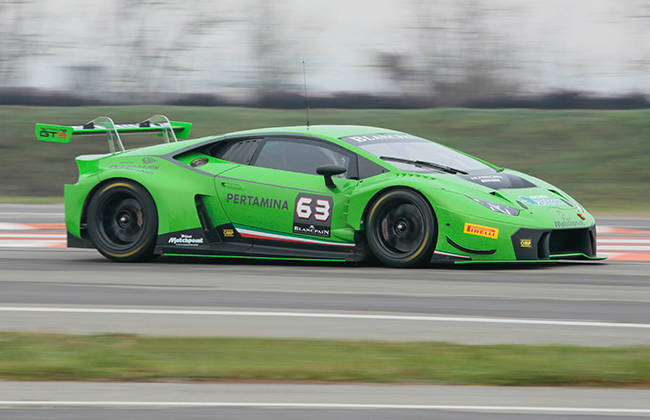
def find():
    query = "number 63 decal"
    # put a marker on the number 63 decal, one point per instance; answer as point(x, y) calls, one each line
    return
point(313, 215)
point(319, 208)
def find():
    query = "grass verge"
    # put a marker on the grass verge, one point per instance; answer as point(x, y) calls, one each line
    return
point(599, 157)
point(26, 356)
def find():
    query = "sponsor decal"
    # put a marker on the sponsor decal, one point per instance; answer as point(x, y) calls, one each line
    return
point(543, 201)
point(256, 201)
point(313, 215)
point(486, 179)
point(525, 243)
point(148, 160)
point(498, 181)
point(62, 135)
point(567, 222)
point(143, 167)
point(363, 140)
point(478, 230)
point(378, 138)
point(185, 240)
point(228, 233)
point(311, 230)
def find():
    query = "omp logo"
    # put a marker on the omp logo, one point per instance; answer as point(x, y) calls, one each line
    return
point(479, 230)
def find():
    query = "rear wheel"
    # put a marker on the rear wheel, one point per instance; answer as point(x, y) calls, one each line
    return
point(401, 229)
point(123, 222)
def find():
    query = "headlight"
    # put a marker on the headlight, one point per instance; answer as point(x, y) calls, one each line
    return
point(499, 208)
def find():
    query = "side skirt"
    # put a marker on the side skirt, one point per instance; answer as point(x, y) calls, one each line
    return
point(230, 243)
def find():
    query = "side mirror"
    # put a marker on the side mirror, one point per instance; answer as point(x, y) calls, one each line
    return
point(328, 171)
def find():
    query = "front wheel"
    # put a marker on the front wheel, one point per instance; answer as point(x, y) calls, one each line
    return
point(401, 229)
point(123, 222)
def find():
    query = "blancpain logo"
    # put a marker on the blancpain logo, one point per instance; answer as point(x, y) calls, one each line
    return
point(185, 240)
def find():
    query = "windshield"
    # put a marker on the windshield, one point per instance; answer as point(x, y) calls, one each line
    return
point(408, 147)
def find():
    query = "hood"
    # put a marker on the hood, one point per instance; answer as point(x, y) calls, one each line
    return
point(536, 200)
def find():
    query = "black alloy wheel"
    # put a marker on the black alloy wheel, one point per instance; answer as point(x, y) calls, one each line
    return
point(401, 229)
point(122, 221)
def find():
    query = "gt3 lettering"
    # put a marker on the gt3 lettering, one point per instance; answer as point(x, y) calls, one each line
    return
point(53, 133)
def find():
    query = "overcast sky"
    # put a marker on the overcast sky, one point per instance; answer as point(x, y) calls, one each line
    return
point(595, 45)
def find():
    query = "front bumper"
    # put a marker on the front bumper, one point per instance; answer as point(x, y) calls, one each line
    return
point(543, 244)
point(513, 243)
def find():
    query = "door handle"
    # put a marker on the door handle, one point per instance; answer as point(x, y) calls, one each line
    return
point(231, 185)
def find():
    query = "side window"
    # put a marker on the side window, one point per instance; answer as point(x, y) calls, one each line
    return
point(300, 156)
point(368, 168)
point(240, 151)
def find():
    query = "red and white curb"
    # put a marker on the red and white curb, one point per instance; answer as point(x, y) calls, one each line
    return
point(32, 235)
point(624, 244)
point(618, 244)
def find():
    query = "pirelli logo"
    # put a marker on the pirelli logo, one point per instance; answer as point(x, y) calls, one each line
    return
point(479, 230)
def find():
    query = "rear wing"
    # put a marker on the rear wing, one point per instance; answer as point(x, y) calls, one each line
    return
point(170, 130)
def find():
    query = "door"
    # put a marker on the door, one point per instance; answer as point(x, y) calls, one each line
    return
point(279, 197)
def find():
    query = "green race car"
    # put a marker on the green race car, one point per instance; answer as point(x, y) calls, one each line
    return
point(335, 193)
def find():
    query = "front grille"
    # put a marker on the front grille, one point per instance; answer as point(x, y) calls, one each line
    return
point(572, 241)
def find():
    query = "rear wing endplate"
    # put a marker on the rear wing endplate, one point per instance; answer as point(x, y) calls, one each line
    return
point(170, 130)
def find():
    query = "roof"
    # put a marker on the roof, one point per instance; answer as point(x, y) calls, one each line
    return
point(330, 132)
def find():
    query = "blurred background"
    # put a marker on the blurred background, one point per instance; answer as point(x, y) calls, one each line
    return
point(557, 89)
point(554, 88)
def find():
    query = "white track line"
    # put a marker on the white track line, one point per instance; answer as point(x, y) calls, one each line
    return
point(191, 404)
point(135, 311)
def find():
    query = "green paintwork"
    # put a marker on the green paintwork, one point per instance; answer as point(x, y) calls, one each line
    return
point(174, 186)
point(252, 257)
point(579, 254)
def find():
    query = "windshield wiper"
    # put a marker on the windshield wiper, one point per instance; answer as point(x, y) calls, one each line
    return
point(423, 164)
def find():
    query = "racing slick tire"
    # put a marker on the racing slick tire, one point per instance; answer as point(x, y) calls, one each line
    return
point(123, 221)
point(401, 229)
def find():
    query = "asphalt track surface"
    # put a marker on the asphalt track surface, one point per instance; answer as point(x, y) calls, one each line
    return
point(69, 400)
point(78, 291)
point(199, 297)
